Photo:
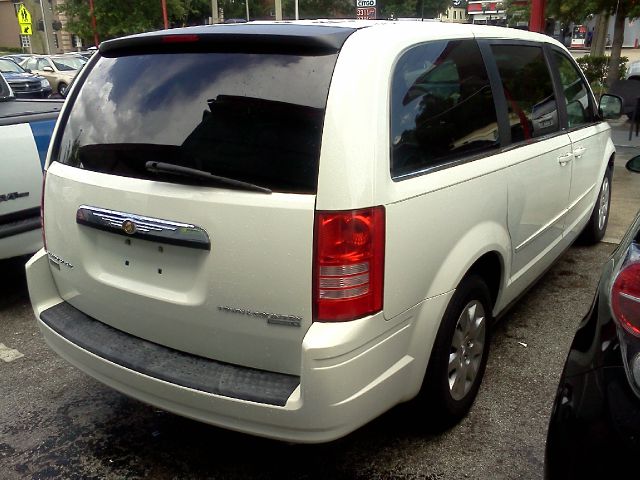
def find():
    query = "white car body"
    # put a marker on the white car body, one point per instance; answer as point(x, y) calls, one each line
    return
point(515, 211)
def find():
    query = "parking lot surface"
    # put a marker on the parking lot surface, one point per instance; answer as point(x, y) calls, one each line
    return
point(55, 422)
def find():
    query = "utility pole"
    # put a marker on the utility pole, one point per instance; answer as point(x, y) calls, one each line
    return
point(297, 16)
point(246, 4)
point(44, 24)
point(215, 15)
point(164, 14)
point(96, 40)
point(278, 10)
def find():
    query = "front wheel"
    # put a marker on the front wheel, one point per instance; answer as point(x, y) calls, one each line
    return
point(459, 355)
point(597, 226)
point(62, 88)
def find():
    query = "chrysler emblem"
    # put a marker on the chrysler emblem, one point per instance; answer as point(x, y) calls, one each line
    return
point(129, 227)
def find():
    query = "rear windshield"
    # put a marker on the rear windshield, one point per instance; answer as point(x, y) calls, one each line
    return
point(256, 118)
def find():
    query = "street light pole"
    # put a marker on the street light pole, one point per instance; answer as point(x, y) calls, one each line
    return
point(215, 15)
point(246, 4)
point(296, 4)
point(44, 24)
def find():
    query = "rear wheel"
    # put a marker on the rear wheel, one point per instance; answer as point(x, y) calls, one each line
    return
point(459, 355)
point(597, 226)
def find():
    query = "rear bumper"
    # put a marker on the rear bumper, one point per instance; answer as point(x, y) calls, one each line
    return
point(350, 373)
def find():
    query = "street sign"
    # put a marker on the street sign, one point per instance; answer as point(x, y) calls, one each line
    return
point(368, 13)
point(24, 17)
point(25, 29)
point(365, 3)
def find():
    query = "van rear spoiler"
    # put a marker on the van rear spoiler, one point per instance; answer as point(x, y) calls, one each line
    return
point(234, 38)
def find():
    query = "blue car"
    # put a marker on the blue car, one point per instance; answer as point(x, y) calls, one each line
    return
point(23, 83)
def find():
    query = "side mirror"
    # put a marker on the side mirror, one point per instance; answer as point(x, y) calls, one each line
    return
point(610, 107)
point(633, 165)
point(47, 69)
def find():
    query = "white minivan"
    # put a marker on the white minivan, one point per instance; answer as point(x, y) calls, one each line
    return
point(286, 229)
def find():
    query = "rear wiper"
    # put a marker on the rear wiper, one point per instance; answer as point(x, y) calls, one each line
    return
point(170, 168)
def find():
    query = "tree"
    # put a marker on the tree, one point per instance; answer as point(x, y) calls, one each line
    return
point(115, 18)
point(578, 10)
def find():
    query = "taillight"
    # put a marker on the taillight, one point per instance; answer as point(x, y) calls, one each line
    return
point(348, 264)
point(625, 298)
point(44, 238)
point(188, 38)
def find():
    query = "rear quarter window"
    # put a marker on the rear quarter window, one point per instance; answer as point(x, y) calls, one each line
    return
point(442, 107)
point(251, 117)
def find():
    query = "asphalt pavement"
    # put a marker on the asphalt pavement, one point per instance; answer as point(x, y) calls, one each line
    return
point(56, 422)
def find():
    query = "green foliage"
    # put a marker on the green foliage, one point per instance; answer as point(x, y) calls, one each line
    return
point(517, 13)
point(398, 8)
point(319, 9)
point(115, 18)
point(431, 8)
point(5, 50)
point(577, 11)
point(596, 69)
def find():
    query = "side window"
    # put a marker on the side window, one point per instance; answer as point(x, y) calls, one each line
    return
point(41, 64)
point(441, 106)
point(576, 93)
point(528, 90)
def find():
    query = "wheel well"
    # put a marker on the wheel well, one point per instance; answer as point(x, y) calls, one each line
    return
point(489, 267)
point(611, 161)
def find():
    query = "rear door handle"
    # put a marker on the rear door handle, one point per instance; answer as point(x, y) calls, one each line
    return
point(566, 158)
point(578, 152)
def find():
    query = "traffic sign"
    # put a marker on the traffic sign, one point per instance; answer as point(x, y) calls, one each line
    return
point(24, 17)
point(25, 29)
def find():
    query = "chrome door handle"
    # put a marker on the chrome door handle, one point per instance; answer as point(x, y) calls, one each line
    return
point(578, 152)
point(566, 158)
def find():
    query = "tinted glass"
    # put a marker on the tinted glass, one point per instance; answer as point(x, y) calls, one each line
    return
point(250, 117)
point(576, 93)
point(4, 88)
point(442, 108)
point(9, 66)
point(528, 90)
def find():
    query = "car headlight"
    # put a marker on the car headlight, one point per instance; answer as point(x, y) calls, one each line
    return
point(44, 83)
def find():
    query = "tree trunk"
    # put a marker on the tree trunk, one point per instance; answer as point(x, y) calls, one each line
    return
point(599, 36)
point(616, 44)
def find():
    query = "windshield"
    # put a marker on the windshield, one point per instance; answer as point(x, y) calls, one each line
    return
point(255, 118)
point(8, 66)
point(68, 63)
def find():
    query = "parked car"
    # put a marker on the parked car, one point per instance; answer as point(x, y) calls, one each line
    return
point(18, 57)
point(24, 84)
point(60, 70)
point(25, 131)
point(594, 430)
point(267, 228)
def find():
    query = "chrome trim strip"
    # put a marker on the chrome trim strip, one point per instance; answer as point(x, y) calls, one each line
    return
point(554, 220)
point(145, 228)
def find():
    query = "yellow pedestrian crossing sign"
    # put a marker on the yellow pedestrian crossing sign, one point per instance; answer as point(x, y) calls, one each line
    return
point(25, 29)
point(24, 17)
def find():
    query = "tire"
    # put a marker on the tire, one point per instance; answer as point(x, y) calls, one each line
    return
point(597, 225)
point(62, 88)
point(459, 353)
